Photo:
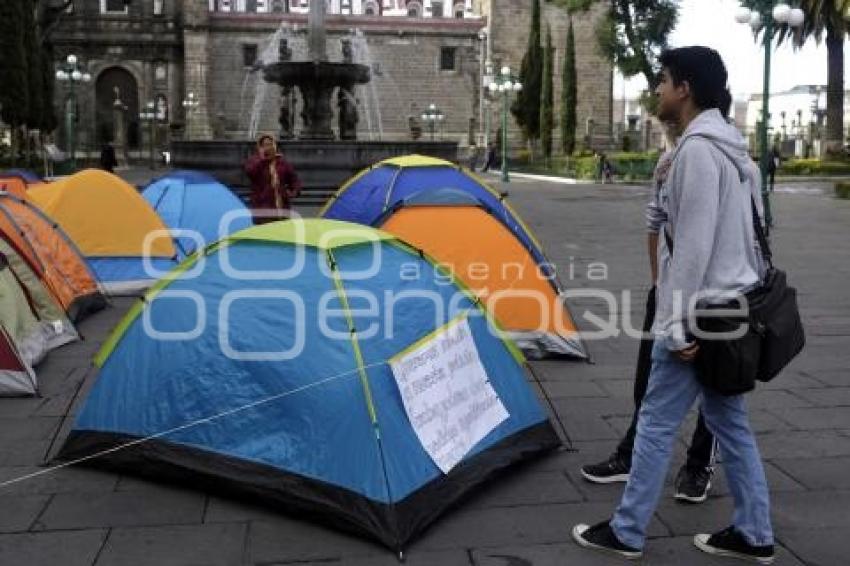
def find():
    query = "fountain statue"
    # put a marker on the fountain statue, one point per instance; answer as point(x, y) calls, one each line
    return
point(287, 131)
point(323, 158)
point(346, 100)
point(119, 131)
point(316, 79)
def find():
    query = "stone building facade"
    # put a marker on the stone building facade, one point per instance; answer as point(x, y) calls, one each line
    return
point(420, 52)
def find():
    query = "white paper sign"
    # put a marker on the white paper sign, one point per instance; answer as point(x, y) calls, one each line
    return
point(446, 394)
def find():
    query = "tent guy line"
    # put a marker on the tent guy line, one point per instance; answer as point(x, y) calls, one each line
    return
point(191, 424)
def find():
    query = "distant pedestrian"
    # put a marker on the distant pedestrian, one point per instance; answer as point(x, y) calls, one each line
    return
point(774, 160)
point(606, 170)
point(473, 157)
point(108, 161)
point(490, 160)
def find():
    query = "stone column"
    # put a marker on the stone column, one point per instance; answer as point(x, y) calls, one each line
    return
point(196, 67)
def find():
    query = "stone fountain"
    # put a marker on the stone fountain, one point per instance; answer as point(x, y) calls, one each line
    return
point(316, 79)
point(323, 158)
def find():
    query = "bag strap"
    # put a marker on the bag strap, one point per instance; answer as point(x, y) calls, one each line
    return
point(760, 235)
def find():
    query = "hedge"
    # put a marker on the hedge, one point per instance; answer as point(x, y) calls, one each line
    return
point(627, 166)
point(814, 167)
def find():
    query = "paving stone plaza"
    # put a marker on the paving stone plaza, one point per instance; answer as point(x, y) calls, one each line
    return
point(78, 516)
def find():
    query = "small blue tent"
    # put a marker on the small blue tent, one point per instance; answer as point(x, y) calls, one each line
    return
point(227, 377)
point(195, 201)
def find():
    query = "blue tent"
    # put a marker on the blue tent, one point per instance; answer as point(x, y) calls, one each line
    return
point(372, 193)
point(191, 200)
point(24, 174)
point(228, 380)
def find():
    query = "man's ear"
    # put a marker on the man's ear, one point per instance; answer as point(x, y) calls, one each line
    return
point(684, 89)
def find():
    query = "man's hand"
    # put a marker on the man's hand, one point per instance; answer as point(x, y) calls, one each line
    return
point(689, 353)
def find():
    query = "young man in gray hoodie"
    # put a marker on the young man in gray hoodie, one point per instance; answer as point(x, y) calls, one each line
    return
point(708, 200)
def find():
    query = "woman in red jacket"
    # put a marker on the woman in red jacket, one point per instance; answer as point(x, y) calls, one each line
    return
point(273, 182)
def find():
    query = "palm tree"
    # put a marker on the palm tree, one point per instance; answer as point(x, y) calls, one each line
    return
point(828, 17)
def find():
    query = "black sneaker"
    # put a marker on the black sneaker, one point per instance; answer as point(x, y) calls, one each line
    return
point(602, 537)
point(612, 470)
point(731, 543)
point(692, 484)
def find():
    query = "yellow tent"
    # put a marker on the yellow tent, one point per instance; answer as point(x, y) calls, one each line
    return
point(112, 225)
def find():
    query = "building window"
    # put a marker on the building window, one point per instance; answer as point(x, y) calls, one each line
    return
point(371, 9)
point(436, 9)
point(160, 72)
point(414, 9)
point(249, 54)
point(448, 58)
point(113, 6)
point(158, 7)
point(459, 11)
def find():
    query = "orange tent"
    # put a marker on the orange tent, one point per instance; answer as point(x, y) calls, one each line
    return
point(468, 239)
point(14, 185)
point(125, 243)
point(53, 255)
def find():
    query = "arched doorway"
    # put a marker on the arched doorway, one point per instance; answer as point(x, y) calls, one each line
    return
point(105, 91)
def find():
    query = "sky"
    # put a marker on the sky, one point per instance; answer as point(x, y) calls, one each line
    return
point(712, 23)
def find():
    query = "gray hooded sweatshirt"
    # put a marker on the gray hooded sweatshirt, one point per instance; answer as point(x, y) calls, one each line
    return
point(706, 199)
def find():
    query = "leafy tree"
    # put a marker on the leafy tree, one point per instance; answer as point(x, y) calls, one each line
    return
point(633, 34)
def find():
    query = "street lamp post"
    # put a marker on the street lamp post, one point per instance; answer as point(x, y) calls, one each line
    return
point(505, 83)
point(148, 116)
point(766, 15)
point(433, 116)
point(488, 78)
point(72, 72)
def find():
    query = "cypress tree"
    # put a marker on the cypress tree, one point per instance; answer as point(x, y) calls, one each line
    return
point(547, 117)
point(569, 95)
point(526, 107)
point(35, 90)
point(13, 66)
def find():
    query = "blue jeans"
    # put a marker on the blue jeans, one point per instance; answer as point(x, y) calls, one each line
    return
point(673, 388)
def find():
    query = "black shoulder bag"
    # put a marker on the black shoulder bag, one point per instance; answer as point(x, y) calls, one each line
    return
point(767, 325)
